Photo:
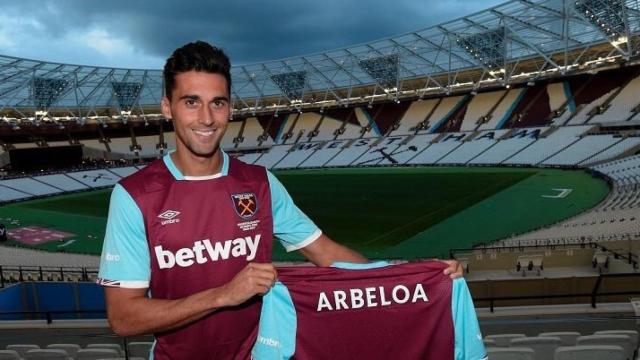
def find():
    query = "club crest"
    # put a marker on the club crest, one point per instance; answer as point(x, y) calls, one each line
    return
point(245, 204)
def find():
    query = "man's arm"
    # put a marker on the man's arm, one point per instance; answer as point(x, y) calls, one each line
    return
point(324, 252)
point(132, 313)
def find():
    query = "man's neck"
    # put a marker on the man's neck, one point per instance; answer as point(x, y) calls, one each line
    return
point(192, 165)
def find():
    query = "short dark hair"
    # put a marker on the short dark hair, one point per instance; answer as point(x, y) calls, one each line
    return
point(197, 56)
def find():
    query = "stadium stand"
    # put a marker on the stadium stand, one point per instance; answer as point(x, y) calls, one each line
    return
point(548, 145)
point(298, 154)
point(415, 117)
point(121, 147)
point(273, 156)
point(504, 109)
point(473, 146)
point(439, 148)
point(621, 106)
point(252, 131)
point(232, 135)
point(351, 152)
point(510, 144)
point(323, 155)
point(479, 109)
point(583, 149)
point(148, 147)
point(409, 148)
point(326, 129)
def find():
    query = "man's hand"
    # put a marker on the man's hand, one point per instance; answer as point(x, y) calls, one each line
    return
point(454, 270)
point(254, 279)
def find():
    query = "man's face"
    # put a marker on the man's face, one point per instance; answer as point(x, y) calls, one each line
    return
point(200, 109)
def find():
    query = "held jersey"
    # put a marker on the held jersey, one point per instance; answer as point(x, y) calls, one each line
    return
point(177, 236)
point(407, 311)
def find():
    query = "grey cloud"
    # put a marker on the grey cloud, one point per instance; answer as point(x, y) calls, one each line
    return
point(249, 30)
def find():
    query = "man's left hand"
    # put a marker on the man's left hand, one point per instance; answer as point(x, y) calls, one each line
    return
point(454, 270)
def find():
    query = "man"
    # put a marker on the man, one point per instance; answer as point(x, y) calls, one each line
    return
point(195, 228)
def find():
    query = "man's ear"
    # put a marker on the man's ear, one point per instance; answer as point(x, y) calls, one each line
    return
point(165, 105)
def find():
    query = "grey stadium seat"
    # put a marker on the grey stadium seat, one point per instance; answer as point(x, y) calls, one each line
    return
point(624, 341)
point(115, 347)
point(514, 353)
point(71, 349)
point(9, 355)
point(22, 349)
point(503, 339)
point(544, 347)
point(96, 354)
point(631, 333)
point(140, 349)
point(568, 338)
point(47, 354)
point(590, 352)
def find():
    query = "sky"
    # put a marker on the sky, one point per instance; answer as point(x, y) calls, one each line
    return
point(142, 34)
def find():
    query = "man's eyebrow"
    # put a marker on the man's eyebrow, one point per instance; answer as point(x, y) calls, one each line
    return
point(190, 97)
point(220, 98)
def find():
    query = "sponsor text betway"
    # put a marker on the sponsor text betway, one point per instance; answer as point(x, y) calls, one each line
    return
point(204, 251)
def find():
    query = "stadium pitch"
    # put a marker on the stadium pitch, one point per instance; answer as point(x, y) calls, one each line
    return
point(404, 213)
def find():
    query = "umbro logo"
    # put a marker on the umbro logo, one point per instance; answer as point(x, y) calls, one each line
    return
point(170, 217)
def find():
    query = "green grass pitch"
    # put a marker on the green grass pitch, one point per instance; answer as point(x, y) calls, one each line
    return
point(405, 213)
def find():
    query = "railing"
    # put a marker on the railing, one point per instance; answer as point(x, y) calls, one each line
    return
point(630, 258)
point(593, 295)
point(15, 274)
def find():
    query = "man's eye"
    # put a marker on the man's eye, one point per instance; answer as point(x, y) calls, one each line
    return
point(191, 102)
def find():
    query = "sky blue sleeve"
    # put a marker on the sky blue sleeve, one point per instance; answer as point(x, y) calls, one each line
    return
point(125, 255)
point(291, 226)
point(278, 326)
point(468, 342)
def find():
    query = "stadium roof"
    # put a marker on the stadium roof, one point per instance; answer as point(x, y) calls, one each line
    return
point(518, 41)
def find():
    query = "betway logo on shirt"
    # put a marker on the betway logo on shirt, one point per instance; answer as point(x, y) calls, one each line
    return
point(371, 297)
point(204, 251)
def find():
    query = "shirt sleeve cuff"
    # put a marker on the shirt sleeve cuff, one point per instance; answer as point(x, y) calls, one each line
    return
point(311, 238)
point(127, 284)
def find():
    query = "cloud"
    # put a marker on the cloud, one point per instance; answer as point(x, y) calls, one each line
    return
point(125, 33)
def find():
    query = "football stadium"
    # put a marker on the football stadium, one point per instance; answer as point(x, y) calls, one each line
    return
point(507, 139)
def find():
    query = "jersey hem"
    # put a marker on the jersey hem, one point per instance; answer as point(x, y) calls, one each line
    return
point(311, 238)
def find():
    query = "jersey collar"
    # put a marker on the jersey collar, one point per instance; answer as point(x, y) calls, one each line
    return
point(178, 175)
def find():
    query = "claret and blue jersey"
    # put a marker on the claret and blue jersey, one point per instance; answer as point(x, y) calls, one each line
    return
point(370, 311)
point(178, 235)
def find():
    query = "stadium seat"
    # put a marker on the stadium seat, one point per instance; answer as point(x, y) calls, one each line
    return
point(139, 349)
point(9, 355)
point(22, 349)
point(114, 347)
point(624, 341)
point(503, 340)
point(633, 334)
point(544, 347)
point(514, 353)
point(589, 352)
point(71, 349)
point(48, 354)
point(568, 338)
point(95, 354)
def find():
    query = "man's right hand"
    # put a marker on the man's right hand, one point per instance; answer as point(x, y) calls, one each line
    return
point(254, 279)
